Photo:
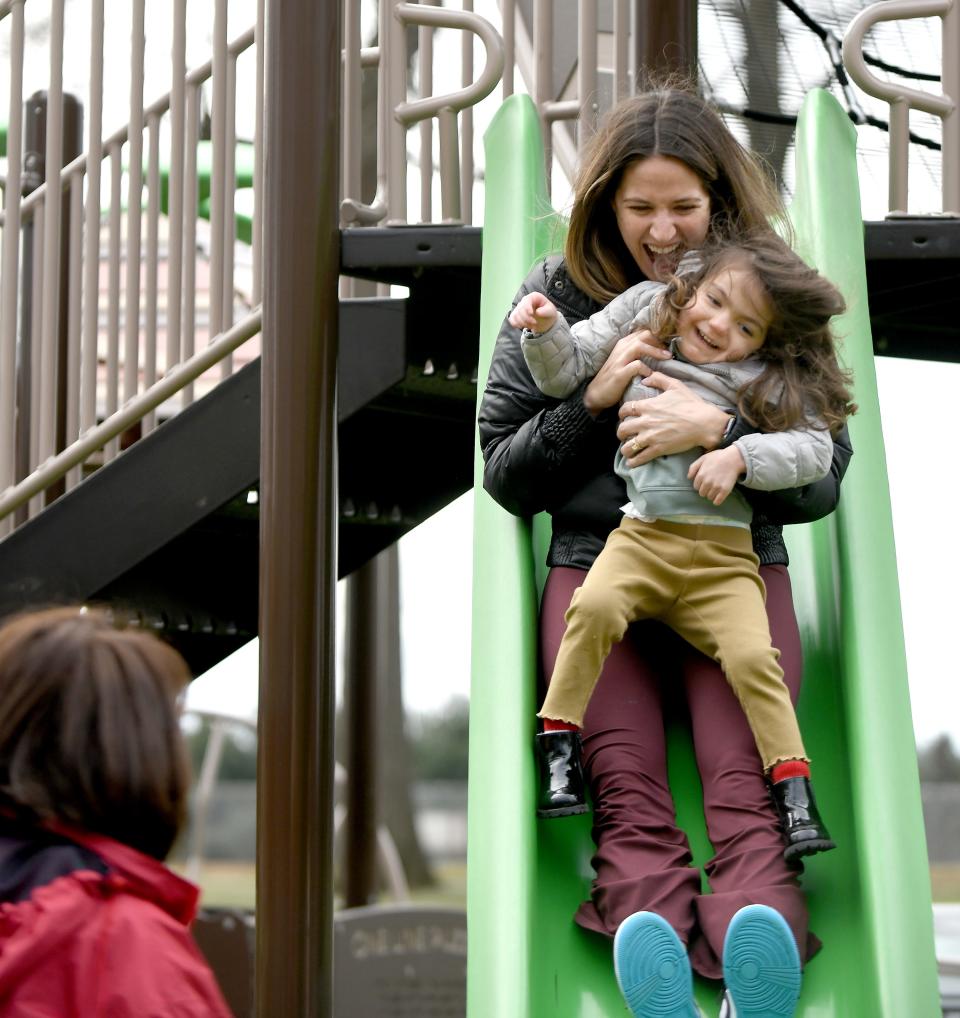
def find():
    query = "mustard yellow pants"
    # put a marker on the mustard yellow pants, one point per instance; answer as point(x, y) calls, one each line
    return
point(703, 582)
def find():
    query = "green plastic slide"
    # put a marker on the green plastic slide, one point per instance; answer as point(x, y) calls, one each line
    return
point(869, 899)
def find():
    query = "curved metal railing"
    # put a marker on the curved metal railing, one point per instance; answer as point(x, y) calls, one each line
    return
point(903, 98)
point(397, 114)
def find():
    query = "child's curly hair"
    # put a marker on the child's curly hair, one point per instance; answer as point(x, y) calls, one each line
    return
point(803, 379)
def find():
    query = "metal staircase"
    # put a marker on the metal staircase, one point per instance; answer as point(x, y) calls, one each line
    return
point(167, 532)
point(139, 489)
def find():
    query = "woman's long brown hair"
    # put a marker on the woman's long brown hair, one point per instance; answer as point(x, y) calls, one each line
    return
point(668, 121)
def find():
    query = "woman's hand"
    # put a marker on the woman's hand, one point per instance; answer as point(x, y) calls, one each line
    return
point(619, 368)
point(675, 421)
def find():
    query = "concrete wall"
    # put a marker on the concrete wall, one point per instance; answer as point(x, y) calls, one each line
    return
point(941, 817)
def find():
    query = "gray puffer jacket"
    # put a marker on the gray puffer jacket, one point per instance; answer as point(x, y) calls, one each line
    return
point(546, 454)
point(564, 356)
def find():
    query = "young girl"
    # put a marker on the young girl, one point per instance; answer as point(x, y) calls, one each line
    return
point(93, 792)
point(750, 322)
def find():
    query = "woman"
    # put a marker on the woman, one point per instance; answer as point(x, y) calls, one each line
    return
point(93, 792)
point(661, 176)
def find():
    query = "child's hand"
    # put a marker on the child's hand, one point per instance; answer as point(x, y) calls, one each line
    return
point(715, 473)
point(534, 312)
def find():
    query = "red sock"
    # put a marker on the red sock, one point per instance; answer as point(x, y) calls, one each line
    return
point(790, 769)
point(550, 725)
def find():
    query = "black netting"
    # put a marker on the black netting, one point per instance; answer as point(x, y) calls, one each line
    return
point(758, 58)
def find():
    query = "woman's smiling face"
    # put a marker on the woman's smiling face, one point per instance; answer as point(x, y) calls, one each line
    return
point(663, 211)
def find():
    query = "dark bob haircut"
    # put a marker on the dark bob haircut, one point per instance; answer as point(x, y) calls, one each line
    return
point(89, 727)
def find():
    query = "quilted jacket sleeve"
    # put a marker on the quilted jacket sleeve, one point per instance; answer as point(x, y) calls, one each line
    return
point(565, 356)
point(785, 459)
point(537, 451)
point(805, 503)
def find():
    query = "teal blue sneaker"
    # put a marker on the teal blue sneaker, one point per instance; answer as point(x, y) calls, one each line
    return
point(761, 965)
point(652, 968)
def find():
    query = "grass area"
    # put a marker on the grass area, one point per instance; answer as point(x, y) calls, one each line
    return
point(945, 881)
point(233, 885)
point(450, 889)
point(226, 884)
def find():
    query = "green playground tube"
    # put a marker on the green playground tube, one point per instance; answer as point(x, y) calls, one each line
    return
point(869, 899)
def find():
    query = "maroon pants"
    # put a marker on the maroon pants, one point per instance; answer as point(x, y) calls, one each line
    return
point(643, 859)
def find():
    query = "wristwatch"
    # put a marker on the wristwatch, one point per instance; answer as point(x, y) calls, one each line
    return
point(728, 431)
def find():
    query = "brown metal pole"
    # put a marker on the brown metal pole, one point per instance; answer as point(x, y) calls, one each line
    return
point(34, 174)
point(72, 146)
point(666, 36)
point(365, 661)
point(294, 976)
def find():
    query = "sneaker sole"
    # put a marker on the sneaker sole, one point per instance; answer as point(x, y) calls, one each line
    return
point(761, 965)
point(652, 968)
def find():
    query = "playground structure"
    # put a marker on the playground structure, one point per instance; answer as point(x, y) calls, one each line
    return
point(82, 372)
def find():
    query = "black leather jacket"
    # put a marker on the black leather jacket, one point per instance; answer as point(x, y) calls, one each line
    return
point(543, 454)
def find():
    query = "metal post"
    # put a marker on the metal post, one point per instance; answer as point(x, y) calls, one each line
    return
point(298, 520)
point(34, 174)
point(666, 36)
point(34, 146)
point(368, 603)
point(72, 147)
point(951, 122)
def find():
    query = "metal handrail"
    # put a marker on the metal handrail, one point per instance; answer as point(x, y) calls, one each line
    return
point(195, 77)
point(446, 107)
point(108, 335)
point(179, 377)
point(391, 155)
point(410, 113)
point(902, 98)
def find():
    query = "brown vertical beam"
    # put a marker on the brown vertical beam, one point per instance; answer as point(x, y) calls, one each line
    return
point(34, 174)
point(367, 618)
point(666, 36)
point(298, 557)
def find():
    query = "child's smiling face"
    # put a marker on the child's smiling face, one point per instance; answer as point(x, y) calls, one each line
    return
point(728, 319)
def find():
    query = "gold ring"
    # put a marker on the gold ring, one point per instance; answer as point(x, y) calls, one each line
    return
point(635, 446)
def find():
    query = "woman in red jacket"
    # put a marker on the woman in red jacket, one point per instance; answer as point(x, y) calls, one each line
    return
point(93, 792)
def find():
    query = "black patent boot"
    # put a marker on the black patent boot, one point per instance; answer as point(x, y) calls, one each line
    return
point(560, 775)
point(803, 830)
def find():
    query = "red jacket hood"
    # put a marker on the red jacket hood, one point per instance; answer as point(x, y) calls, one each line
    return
point(91, 926)
point(138, 873)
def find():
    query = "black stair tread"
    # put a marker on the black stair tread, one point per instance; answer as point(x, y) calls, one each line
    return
point(134, 506)
point(913, 265)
